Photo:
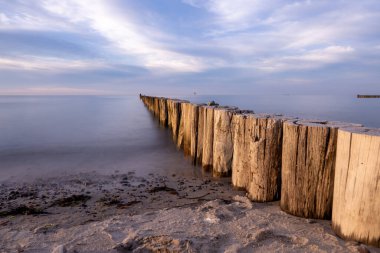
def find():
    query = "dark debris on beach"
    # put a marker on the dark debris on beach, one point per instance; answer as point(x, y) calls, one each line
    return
point(78, 199)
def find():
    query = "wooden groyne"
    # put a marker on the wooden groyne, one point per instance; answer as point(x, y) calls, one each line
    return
point(317, 169)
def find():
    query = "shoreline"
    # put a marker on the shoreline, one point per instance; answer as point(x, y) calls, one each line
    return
point(125, 213)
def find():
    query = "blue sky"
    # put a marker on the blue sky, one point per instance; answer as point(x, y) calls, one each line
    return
point(177, 47)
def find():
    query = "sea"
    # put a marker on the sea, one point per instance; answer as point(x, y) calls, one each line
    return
point(48, 136)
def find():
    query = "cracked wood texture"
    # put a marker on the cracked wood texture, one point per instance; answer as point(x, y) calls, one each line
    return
point(356, 207)
point(156, 107)
point(174, 116)
point(200, 138)
point(189, 129)
point(208, 138)
point(223, 145)
point(163, 115)
point(194, 115)
point(308, 166)
point(181, 127)
point(240, 161)
point(257, 155)
point(151, 104)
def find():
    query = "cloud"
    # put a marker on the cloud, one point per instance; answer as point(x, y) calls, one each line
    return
point(33, 63)
point(124, 33)
point(205, 44)
point(51, 91)
point(310, 60)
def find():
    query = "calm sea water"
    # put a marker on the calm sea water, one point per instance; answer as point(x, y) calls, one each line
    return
point(44, 136)
point(47, 136)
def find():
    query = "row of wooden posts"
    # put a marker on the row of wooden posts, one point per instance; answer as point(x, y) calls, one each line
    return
point(317, 169)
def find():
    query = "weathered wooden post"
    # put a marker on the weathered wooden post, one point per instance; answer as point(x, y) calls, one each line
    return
point(156, 106)
point(189, 127)
point(308, 166)
point(356, 204)
point(223, 145)
point(151, 104)
point(241, 164)
point(163, 115)
point(169, 104)
point(256, 164)
point(208, 138)
point(185, 127)
point(200, 138)
point(241, 140)
point(183, 140)
point(174, 116)
point(194, 116)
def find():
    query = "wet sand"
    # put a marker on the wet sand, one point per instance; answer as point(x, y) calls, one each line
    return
point(90, 212)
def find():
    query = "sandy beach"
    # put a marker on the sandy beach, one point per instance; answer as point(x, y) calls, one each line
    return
point(90, 212)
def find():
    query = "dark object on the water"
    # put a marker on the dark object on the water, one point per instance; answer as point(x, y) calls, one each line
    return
point(72, 200)
point(368, 96)
point(211, 103)
point(164, 189)
point(21, 210)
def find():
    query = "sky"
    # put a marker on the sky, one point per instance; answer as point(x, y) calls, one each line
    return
point(178, 47)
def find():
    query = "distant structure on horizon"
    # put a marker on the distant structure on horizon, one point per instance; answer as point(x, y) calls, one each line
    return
point(368, 96)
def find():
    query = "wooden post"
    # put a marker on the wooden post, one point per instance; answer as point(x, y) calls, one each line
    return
point(169, 104)
point(156, 106)
point(308, 163)
point(240, 161)
point(223, 145)
point(189, 129)
point(183, 133)
point(208, 138)
point(194, 116)
point(200, 138)
point(185, 123)
point(174, 116)
point(163, 115)
point(256, 164)
point(356, 206)
point(151, 104)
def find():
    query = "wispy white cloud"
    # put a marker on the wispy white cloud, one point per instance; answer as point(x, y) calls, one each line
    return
point(52, 91)
point(33, 63)
point(310, 60)
point(28, 15)
point(133, 39)
point(235, 15)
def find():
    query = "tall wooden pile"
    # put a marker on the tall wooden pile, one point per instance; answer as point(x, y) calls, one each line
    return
point(156, 107)
point(208, 138)
point(163, 113)
point(188, 129)
point(222, 144)
point(257, 153)
point(201, 128)
point(356, 206)
point(174, 116)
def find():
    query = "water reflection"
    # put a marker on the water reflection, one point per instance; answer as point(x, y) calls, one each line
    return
point(47, 136)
